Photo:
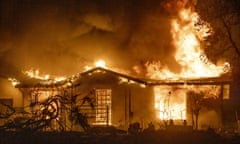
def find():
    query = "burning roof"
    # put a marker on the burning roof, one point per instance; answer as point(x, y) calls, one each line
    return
point(191, 65)
point(73, 80)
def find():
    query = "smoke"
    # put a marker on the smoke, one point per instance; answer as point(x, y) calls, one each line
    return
point(61, 37)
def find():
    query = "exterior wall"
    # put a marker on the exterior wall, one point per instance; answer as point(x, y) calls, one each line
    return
point(7, 91)
point(142, 105)
point(130, 102)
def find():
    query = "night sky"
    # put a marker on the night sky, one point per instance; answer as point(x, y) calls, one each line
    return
point(60, 37)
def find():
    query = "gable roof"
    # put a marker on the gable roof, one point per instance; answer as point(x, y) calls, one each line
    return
point(73, 80)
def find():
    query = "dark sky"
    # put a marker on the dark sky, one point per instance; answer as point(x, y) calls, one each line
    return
point(60, 37)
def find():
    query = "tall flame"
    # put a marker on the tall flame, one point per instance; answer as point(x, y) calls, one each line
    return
point(188, 30)
point(187, 33)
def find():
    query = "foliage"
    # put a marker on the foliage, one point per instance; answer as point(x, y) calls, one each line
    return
point(199, 100)
point(224, 16)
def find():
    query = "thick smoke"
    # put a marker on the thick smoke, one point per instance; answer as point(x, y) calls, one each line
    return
point(62, 36)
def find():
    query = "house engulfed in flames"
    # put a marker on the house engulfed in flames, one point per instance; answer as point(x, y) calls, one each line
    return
point(119, 99)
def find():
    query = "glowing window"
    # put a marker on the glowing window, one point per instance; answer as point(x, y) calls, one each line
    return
point(103, 106)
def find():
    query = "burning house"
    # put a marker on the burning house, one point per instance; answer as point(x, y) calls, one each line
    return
point(105, 97)
point(193, 96)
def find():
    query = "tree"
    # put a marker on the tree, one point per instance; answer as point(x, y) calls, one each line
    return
point(224, 17)
point(196, 102)
point(199, 100)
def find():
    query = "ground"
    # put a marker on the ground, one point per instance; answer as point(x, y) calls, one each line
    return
point(154, 137)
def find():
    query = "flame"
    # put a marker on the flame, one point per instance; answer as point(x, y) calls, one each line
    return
point(100, 63)
point(86, 68)
point(188, 30)
point(58, 79)
point(187, 38)
point(14, 81)
point(35, 73)
point(170, 104)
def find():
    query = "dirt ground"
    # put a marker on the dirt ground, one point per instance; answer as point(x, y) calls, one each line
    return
point(156, 137)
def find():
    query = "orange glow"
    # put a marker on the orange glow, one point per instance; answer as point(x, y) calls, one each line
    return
point(36, 74)
point(86, 68)
point(188, 30)
point(14, 81)
point(170, 104)
point(187, 34)
point(100, 63)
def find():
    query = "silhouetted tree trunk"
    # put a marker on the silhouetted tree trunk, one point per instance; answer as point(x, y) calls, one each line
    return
point(196, 116)
point(196, 105)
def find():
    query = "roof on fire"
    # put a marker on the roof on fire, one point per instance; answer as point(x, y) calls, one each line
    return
point(73, 80)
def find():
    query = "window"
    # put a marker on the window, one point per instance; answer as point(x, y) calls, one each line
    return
point(103, 106)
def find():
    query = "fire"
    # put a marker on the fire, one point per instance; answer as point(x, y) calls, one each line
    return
point(187, 33)
point(170, 103)
point(100, 63)
point(188, 30)
point(14, 81)
point(35, 74)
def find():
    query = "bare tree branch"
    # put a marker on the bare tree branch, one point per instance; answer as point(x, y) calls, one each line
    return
point(229, 33)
